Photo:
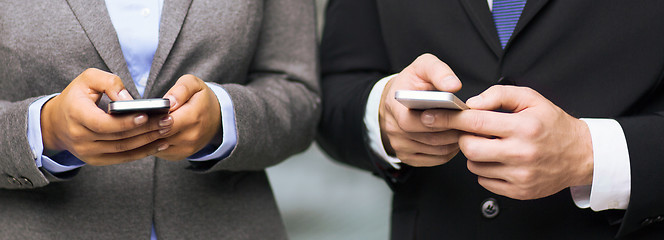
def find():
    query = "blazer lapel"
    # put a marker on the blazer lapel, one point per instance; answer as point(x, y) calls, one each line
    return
point(532, 8)
point(172, 18)
point(93, 17)
point(479, 13)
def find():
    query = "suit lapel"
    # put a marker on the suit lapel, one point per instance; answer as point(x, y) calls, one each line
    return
point(93, 17)
point(172, 18)
point(479, 13)
point(532, 8)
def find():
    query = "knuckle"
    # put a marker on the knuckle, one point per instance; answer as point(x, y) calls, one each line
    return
point(532, 128)
point(87, 73)
point(190, 138)
point(402, 122)
point(403, 156)
point(495, 89)
point(477, 123)
point(528, 154)
point(530, 91)
point(524, 177)
point(79, 150)
point(95, 126)
point(76, 134)
point(112, 79)
point(469, 150)
point(427, 57)
point(392, 128)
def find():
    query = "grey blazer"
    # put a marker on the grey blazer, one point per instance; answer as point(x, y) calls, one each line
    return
point(261, 51)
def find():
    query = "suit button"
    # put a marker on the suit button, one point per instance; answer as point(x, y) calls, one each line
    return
point(13, 181)
point(647, 222)
point(490, 208)
point(25, 181)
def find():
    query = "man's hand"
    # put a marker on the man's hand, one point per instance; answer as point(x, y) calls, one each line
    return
point(197, 118)
point(533, 152)
point(402, 132)
point(72, 121)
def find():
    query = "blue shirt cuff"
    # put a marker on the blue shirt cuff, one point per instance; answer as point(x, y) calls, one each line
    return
point(61, 162)
point(228, 126)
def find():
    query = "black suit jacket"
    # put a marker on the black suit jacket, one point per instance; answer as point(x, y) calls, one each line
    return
point(598, 59)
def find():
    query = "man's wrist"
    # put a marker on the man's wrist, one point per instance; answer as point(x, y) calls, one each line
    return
point(372, 124)
point(585, 168)
point(48, 138)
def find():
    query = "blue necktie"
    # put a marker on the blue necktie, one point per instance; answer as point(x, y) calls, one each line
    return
point(506, 14)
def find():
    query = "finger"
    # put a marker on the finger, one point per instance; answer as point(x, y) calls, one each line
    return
point(104, 82)
point(98, 122)
point(177, 152)
point(481, 122)
point(497, 186)
point(431, 69)
point(127, 144)
point(161, 123)
point(131, 155)
point(436, 138)
point(510, 98)
point(401, 119)
point(183, 90)
point(423, 160)
point(482, 149)
point(407, 146)
point(492, 170)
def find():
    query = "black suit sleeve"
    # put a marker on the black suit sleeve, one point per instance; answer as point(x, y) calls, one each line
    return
point(353, 59)
point(645, 142)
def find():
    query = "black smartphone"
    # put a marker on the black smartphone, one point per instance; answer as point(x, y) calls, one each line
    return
point(148, 106)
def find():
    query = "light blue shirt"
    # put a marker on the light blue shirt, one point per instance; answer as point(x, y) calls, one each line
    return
point(137, 26)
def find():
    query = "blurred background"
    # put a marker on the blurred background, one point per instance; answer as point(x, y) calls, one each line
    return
point(322, 199)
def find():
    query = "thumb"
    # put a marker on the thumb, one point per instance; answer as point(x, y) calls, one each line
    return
point(509, 98)
point(429, 68)
point(183, 90)
point(104, 82)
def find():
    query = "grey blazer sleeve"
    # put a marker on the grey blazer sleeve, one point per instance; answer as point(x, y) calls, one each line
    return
point(17, 162)
point(277, 111)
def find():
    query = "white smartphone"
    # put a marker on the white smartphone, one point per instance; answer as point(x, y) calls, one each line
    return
point(149, 106)
point(421, 100)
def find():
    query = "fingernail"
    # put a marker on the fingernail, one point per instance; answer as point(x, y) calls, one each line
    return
point(474, 102)
point(172, 100)
point(164, 131)
point(167, 121)
point(124, 95)
point(162, 147)
point(140, 119)
point(427, 118)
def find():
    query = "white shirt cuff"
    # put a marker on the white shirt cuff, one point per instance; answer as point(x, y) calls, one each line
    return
point(611, 169)
point(372, 123)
